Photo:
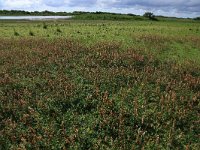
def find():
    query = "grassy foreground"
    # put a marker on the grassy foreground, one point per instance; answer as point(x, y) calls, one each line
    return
point(99, 85)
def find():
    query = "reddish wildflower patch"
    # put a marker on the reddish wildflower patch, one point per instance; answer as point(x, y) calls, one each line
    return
point(61, 94)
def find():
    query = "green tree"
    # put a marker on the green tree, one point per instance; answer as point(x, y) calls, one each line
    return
point(150, 15)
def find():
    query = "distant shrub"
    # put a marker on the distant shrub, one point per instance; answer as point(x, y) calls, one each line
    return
point(45, 26)
point(16, 33)
point(31, 33)
point(131, 14)
point(58, 30)
point(197, 18)
point(150, 15)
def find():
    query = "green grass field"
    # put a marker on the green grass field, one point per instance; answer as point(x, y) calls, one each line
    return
point(83, 84)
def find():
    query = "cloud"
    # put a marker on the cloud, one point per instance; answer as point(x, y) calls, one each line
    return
point(70, 3)
point(179, 5)
point(152, 3)
point(180, 8)
point(54, 3)
point(19, 4)
point(82, 3)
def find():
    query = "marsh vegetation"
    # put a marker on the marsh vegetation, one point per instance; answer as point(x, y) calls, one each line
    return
point(99, 85)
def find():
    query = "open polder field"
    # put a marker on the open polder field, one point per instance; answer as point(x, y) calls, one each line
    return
point(99, 85)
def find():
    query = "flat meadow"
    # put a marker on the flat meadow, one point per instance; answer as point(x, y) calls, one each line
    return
point(96, 84)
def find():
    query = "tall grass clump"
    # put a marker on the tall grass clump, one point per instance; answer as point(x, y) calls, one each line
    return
point(31, 33)
point(58, 30)
point(16, 33)
point(45, 26)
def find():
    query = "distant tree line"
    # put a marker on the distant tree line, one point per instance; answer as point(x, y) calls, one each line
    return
point(100, 13)
point(34, 13)
point(197, 18)
point(46, 13)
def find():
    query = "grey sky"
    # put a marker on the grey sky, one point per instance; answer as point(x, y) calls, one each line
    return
point(179, 8)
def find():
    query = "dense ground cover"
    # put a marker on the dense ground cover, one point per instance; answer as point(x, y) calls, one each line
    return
point(99, 85)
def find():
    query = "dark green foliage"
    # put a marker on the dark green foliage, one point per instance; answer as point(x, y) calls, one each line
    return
point(131, 14)
point(150, 15)
point(45, 26)
point(197, 18)
point(16, 33)
point(35, 13)
point(58, 30)
point(31, 33)
point(107, 16)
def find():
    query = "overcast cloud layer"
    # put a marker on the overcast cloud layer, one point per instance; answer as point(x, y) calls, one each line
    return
point(178, 8)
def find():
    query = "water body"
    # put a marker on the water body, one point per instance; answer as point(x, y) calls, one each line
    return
point(34, 17)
